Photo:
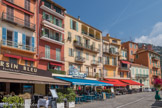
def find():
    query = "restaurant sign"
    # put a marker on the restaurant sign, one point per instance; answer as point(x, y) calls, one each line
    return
point(73, 71)
point(6, 66)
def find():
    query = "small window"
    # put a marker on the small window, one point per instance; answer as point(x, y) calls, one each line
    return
point(57, 22)
point(74, 25)
point(87, 56)
point(69, 36)
point(71, 52)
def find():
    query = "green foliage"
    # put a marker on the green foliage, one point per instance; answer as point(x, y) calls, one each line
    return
point(99, 90)
point(57, 71)
point(60, 97)
point(16, 101)
point(70, 95)
point(107, 90)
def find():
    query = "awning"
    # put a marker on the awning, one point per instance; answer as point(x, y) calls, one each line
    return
point(29, 59)
point(125, 62)
point(26, 78)
point(75, 81)
point(130, 82)
point(13, 56)
point(56, 64)
point(115, 82)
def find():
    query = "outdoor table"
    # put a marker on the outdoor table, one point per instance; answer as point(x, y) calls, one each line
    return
point(90, 96)
point(78, 99)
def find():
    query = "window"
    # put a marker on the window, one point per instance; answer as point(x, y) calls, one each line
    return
point(58, 10)
point(100, 74)
point(99, 59)
point(58, 54)
point(47, 51)
point(78, 53)
point(121, 74)
point(10, 1)
point(27, 20)
point(150, 71)
point(71, 52)
point(131, 45)
point(28, 43)
point(69, 36)
point(79, 68)
point(73, 25)
point(46, 16)
point(87, 70)
point(57, 22)
point(26, 63)
point(9, 37)
point(94, 70)
point(99, 46)
point(27, 4)
point(31, 63)
point(132, 71)
point(114, 73)
point(54, 67)
point(10, 13)
point(131, 52)
point(87, 56)
point(136, 55)
point(13, 60)
point(134, 46)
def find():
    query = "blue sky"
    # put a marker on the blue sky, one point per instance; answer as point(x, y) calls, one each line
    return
point(137, 20)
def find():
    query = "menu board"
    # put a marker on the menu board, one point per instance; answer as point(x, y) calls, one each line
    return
point(54, 93)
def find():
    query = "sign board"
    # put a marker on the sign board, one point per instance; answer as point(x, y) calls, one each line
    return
point(12, 67)
point(73, 71)
point(54, 93)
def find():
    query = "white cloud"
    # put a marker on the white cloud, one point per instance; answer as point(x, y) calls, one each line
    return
point(155, 36)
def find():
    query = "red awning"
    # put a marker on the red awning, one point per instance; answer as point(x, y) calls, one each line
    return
point(29, 59)
point(130, 82)
point(115, 82)
point(13, 56)
point(125, 62)
point(56, 64)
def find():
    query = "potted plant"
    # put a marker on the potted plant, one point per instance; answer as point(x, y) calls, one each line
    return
point(60, 100)
point(70, 97)
point(27, 100)
point(13, 102)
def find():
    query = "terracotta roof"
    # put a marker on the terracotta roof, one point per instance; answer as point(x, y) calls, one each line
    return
point(142, 51)
point(138, 65)
point(130, 42)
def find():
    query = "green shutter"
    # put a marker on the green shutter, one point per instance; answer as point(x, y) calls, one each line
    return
point(51, 18)
point(76, 26)
point(71, 23)
point(60, 23)
point(54, 20)
point(44, 17)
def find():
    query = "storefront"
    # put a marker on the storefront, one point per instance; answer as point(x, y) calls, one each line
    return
point(18, 79)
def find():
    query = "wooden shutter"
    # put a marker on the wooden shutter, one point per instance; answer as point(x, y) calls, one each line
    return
point(15, 39)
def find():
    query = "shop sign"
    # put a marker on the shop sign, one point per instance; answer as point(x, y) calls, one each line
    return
point(73, 71)
point(6, 66)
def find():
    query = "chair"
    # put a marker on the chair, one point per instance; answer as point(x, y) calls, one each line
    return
point(84, 98)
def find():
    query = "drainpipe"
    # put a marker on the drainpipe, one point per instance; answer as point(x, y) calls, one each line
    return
point(38, 28)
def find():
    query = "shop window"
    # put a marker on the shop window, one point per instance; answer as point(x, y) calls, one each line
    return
point(26, 63)
point(13, 60)
point(28, 89)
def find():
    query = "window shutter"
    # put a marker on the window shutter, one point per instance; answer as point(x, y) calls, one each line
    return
point(70, 52)
point(44, 15)
point(4, 35)
point(54, 20)
point(51, 18)
point(43, 31)
point(15, 39)
point(33, 44)
point(24, 41)
point(58, 54)
point(71, 23)
point(60, 23)
point(76, 26)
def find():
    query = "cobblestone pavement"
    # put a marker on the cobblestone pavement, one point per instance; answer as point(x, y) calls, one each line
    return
point(138, 100)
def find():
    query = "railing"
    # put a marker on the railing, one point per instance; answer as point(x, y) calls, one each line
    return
point(155, 58)
point(16, 20)
point(80, 59)
point(18, 46)
point(142, 75)
point(124, 68)
point(109, 51)
point(94, 62)
point(53, 38)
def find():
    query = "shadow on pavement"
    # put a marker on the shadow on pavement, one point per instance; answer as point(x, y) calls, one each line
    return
point(157, 104)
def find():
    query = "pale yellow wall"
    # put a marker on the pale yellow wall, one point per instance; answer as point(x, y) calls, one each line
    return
point(40, 89)
point(69, 44)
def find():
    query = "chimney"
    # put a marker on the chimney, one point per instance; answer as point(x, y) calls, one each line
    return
point(108, 35)
point(78, 17)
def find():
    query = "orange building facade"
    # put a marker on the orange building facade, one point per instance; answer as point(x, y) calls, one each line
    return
point(18, 31)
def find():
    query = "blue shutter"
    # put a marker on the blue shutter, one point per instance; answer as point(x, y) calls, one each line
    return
point(15, 39)
point(33, 44)
point(71, 23)
point(76, 26)
point(24, 41)
point(4, 36)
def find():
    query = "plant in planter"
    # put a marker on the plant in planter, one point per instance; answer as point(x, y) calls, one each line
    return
point(60, 100)
point(75, 41)
point(27, 99)
point(70, 97)
point(14, 101)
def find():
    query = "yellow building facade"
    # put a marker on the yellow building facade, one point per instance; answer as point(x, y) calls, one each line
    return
point(111, 54)
point(83, 47)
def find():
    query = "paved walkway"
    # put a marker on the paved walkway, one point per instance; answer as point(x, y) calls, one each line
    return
point(138, 100)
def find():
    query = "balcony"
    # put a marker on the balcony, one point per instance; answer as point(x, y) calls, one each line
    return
point(90, 48)
point(11, 44)
point(43, 57)
point(142, 76)
point(110, 52)
point(17, 21)
point(54, 40)
point(106, 63)
point(155, 58)
point(52, 11)
point(94, 62)
point(155, 67)
point(53, 26)
point(57, 72)
point(124, 68)
point(80, 59)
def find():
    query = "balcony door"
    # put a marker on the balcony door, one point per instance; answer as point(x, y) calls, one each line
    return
point(27, 20)
point(10, 13)
point(27, 5)
point(58, 54)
